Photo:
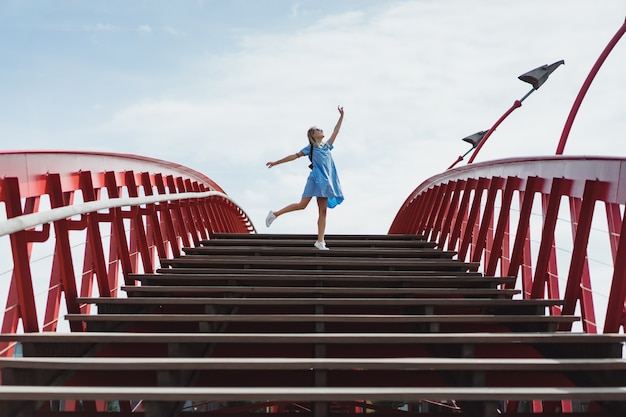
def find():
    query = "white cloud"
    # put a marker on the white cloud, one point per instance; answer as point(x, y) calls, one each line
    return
point(104, 27)
point(170, 30)
point(144, 29)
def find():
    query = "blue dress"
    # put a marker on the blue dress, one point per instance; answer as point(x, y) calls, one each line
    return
point(323, 180)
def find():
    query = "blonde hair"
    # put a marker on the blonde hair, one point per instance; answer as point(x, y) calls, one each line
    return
point(309, 135)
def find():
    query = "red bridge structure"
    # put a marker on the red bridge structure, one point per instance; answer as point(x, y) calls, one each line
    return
point(156, 296)
point(138, 287)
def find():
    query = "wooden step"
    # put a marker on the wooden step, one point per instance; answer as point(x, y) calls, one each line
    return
point(347, 411)
point(239, 371)
point(388, 273)
point(322, 318)
point(336, 243)
point(249, 250)
point(320, 261)
point(331, 291)
point(356, 238)
point(230, 301)
point(332, 322)
point(322, 280)
point(563, 344)
point(289, 393)
point(246, 363)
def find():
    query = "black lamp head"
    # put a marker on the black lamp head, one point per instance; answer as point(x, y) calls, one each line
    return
point(539, 75)
point(475, 139)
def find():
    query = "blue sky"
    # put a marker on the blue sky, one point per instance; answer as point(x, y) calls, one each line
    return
point(224, 86)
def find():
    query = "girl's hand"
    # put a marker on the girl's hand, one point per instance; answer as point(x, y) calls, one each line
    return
point(340, 108)
point(270, 164)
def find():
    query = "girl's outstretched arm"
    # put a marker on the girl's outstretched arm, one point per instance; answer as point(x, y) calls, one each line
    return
point(288, 158)
point(337, 126)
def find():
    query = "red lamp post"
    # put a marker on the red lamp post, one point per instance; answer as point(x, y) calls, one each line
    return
point(585, 87)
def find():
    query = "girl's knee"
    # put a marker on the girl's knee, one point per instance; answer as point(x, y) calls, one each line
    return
point(301, 205)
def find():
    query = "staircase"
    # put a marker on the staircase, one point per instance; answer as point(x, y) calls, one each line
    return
point(249, 324)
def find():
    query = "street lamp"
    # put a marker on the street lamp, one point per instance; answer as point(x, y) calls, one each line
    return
point(536, 78)
point(473, 140)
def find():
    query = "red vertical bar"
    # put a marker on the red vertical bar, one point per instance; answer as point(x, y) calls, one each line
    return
point(86, 283)
point(399, 222)
point(451, 213)
point(410, 217)
point(501, 236)
point(20, 249)
point(414, 212)
point(617, 296)
point(486, 222)
point(586, 305)
point(460, 191)
point(444, 208)
point(153, 225)
point(137, 224)
point(553, 280)
point(218, 214)
point(204, 214)
point(579, 252)
point(228, 212)
point(113, 269)
point(552, 267)
point(517, 254)
point(215, 221)
point(63, 250)
point(94, 237)
point(195, 210)
point(55, 289)
point(489, 241)
point(505, 256)
point(165, 217)
point(188, 213)
point(526, 267)
point(559, 187)
point(119, 232)
point(432, 213)
point(461, 214)
point(426, 202)
point(474, 211)
point(614, 220)
point(177, 213)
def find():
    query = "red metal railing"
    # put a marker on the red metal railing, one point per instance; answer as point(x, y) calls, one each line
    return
point(131, 211)
point(508, 215)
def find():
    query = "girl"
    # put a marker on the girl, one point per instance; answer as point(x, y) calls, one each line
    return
point(323, 182)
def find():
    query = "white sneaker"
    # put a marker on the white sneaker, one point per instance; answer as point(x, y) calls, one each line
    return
point(270, 218)
point(321, 245)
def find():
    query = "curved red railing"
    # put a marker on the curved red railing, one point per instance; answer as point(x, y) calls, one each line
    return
point(125, 213)
point(508, 215)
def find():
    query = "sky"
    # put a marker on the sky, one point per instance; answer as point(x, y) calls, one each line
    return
point(223, 86)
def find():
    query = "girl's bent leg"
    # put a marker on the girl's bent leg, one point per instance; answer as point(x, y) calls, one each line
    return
point(301, 205)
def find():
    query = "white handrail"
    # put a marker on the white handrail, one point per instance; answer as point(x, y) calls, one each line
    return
point(27, 221)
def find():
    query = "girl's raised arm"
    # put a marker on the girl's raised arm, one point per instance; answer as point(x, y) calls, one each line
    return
point(337, 126)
